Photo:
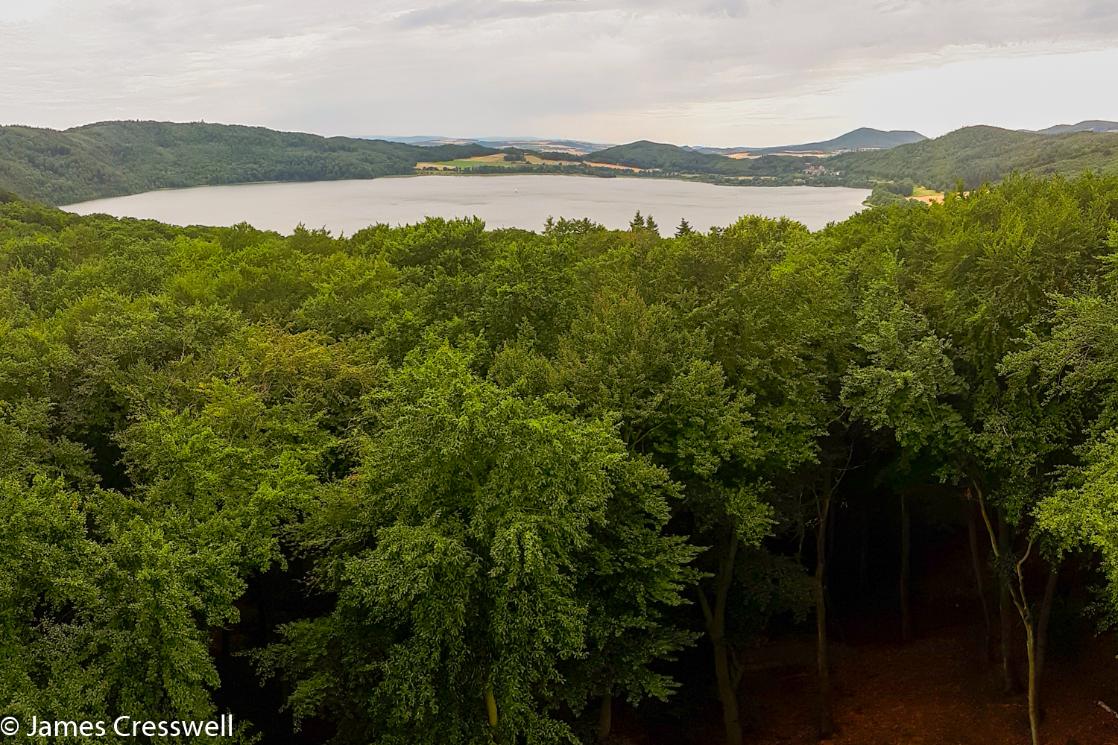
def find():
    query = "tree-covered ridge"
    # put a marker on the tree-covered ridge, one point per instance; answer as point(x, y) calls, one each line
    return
point(459, 486)
point(977, 155)
point(862, 138)
point(973, 156)
point(678, 160)
point(116, 158)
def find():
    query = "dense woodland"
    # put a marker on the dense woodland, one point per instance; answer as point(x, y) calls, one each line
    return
point(976, 155)
point(440, 484)
point(115, 158)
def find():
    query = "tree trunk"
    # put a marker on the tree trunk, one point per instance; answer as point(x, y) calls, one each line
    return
point(716, 629)
point(1042, 627)
point(1034, 710)
point(727, 694)
point(1014, 588)
point(605, 718)
point(826, 717)
point(980, 585)
point(906, 551)
point(1006, 613)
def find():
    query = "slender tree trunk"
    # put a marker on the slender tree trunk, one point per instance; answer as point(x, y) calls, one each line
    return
point(1034, 702)
point(727, 694)
point(1043, 618)
point(605, 718)
point(979, 584)
point(1015, 588)
point(906, 552)
point(1021, 601)
point(826, 716)
point(1005, 614)
point(716, 628)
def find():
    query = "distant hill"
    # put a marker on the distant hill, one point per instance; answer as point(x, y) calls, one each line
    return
point(114, 158)
point(532, 144)
point(975, 155)
point(1090, 125)
point(661, 155)
point(972, 155)
point(863, 138)
point(574, 147)
point(680, 160)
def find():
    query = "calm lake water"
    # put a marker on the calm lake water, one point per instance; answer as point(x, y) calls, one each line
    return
point(515, 201)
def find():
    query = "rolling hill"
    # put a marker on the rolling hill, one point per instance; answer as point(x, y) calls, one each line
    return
point(979, 154)
point(972, 155)
point(679, 160)
point(863, 138)
point(1090, 125)
point(115, 158)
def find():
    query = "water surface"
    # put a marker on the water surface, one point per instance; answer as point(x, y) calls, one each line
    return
point(513, 201)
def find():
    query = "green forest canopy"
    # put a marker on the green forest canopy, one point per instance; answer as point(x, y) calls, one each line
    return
point(494, 480)
point(116, 158)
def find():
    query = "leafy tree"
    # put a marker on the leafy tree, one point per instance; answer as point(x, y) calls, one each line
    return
point(460, 558)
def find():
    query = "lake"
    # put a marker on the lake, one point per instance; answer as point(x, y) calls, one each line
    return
point(513, 201)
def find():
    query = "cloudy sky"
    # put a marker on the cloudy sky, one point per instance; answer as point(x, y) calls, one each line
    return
point(717, 72)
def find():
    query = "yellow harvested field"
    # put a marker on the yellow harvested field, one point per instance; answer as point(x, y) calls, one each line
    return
point(935, 198)
point(615, 166)
point(494, 158)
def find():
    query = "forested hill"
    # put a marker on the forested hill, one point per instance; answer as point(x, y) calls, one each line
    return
point(981, 154)
point(675, 159)
point(1089, 125)
point(973, 155)
point(115, 158)
point(863, 138)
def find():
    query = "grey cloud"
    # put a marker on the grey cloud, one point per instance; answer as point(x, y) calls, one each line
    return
point(492, 66)
point(464, 12)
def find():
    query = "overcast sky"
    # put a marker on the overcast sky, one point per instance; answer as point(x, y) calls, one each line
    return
point(716, 72)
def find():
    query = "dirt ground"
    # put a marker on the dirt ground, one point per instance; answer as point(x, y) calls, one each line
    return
point(932, 691)
point(936, 692)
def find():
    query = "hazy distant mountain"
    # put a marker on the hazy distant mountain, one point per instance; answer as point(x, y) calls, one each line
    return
point(1090, 125)
point(863, 138)
point(578, 147)
point(537, 144)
